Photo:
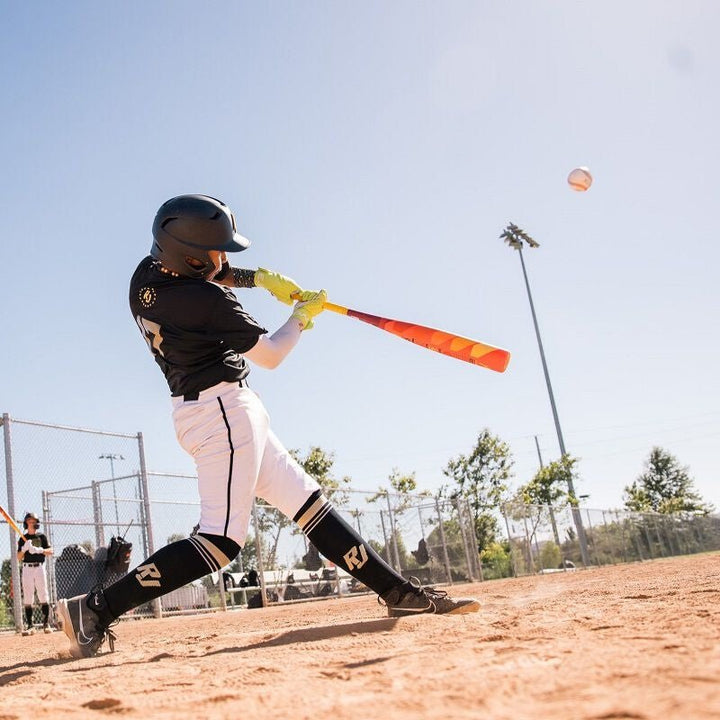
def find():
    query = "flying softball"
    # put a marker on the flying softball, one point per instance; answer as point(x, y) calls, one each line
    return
point(580, 179)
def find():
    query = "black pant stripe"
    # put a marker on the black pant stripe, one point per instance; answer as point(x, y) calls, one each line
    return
point(230, 466)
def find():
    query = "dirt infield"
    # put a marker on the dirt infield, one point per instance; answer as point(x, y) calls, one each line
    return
point(630, 641)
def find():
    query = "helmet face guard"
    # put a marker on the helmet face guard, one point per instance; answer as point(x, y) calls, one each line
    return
point(188, 227)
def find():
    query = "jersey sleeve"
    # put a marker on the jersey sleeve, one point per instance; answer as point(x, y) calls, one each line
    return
point(230, 322)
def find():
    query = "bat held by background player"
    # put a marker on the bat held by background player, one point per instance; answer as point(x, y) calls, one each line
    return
point(12, 523)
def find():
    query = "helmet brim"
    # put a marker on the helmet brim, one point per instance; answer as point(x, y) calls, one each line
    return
point(237, 243)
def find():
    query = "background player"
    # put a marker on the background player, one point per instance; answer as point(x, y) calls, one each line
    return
point(200, 336)
point(32, 553)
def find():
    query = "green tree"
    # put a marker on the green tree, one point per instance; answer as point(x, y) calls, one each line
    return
point(549, 488)
point(481, 479)
point(404, 494)
point(404, 490)
point(453, 543)
point(6, 603)
point(664, 487)
point(550, 556)
point(496, 561)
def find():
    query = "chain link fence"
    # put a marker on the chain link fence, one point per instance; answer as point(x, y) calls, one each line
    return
point(545, 539)
point(86, 486)
point(103, 513)
point(94, 495)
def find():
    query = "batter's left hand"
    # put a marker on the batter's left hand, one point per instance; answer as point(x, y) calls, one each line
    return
point(310, 305)
point(277, 285)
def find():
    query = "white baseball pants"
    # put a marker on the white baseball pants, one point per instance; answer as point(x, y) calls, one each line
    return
point(238, 457)
point(33, 580)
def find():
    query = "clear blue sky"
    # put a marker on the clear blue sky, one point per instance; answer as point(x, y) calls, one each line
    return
point(378, 149)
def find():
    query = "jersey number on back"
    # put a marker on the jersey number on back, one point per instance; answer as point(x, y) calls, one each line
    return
point(151, 333)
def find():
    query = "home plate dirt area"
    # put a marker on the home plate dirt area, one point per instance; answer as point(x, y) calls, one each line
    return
point(627, 641)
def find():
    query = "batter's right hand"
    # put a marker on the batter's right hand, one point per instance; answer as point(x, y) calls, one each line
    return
point(277, 285)
point(308, 306)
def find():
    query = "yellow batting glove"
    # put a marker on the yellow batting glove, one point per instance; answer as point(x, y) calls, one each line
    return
point(308, 306)
point(277, 285)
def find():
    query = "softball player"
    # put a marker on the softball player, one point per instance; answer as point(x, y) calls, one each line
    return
point(202, 339)
point(32, 553)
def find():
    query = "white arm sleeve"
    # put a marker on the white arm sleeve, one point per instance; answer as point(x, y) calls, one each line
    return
point(269, 352)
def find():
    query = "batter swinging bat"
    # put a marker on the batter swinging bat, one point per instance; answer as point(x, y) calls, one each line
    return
point(440, 341)
point(12, 523)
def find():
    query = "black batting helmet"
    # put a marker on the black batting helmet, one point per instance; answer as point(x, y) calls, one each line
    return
point(187, 226)
point(30, 516)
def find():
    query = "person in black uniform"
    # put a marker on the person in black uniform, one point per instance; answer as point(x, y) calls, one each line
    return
point(201, 337)
point(32, 552)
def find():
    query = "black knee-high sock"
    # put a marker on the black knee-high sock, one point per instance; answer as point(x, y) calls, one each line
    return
point(28, 615)
point(338, 542)
point(168, 569)
point(45, 613)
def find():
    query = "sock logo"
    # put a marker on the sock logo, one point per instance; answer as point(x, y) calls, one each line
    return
point(147, 575)
point(351, 557)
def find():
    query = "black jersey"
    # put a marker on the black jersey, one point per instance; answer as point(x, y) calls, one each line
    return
point(38, 540)
point(196, 330)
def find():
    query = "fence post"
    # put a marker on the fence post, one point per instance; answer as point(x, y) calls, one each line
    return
point(50, 563)
point(644, 519)
point(393, 535)
point(145, 499)
point(513, 567)
point(622, 534)
point(221, 590)
point(463, 535)
point(142, 520)
point(14, 566)
point(592, 533)
point(357, 520)
point(553, 523)
point(446, 559)
point(698, 528)
point(474, 547)
point(677, 534)
point(657, 535)
point(258, 552)
point(97, 514)
point(388, 550)
point(528, 541)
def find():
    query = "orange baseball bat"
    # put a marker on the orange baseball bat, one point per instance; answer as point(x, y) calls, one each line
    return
point(440, 341)
point(12, 523)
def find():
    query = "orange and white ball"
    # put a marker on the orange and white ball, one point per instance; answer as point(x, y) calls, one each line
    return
point(580, 179)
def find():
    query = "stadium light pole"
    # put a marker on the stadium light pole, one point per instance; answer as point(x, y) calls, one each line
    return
point(515, 237)
point(111, 457)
